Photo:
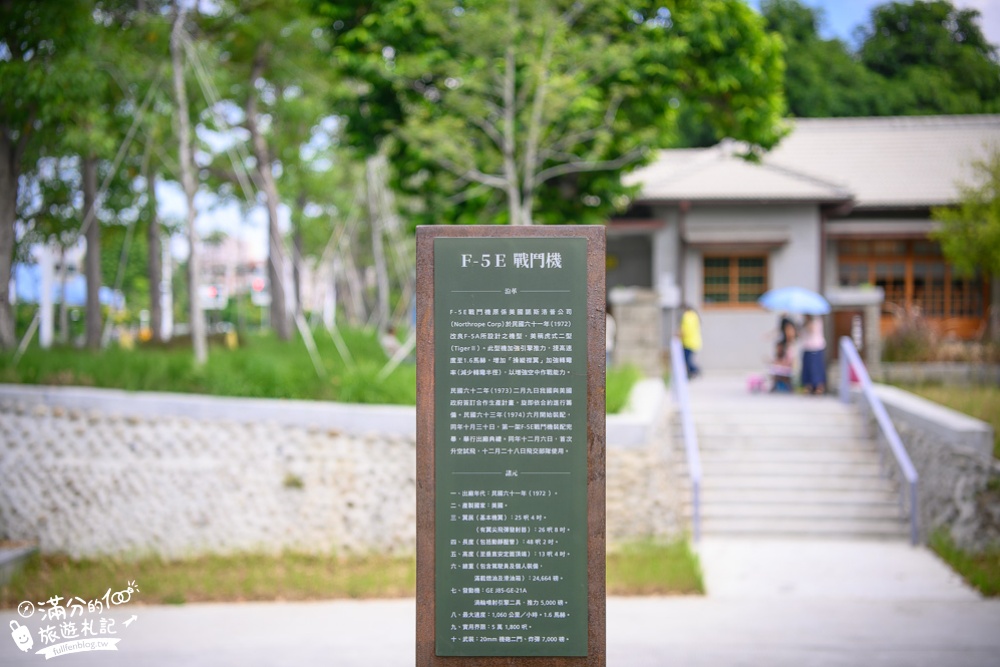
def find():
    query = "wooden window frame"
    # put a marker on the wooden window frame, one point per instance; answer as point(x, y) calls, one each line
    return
point(734, 279)
point(909, 260)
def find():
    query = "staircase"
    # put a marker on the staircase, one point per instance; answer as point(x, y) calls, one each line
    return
point(782, 465)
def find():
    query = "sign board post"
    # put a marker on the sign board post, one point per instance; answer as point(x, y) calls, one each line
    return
point(510, 446)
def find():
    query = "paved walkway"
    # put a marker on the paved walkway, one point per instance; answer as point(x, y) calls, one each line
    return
point(770, 603)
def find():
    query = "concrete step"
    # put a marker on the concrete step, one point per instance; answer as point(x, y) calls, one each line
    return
point(769, 404)
point(803, 431)
point(765, 417)
point(833, 484)
point(722, 496)
point(815, 511)
point(770, 469)
point(804, 527)
point(784, 443)
point(777, 456)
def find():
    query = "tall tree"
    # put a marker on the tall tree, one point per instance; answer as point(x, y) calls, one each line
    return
point(37, 85)
point(936, 56)
point(189, 183)
point(275, 76)
point(822, 78)
point(970, 232)
point(544, 104)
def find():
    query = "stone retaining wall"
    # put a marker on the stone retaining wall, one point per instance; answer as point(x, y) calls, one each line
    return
point(123, 479)
point(953, 455)
point(946, 373)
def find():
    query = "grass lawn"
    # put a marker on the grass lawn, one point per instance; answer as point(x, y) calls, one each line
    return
point(261, 367)
point(654, 568)
point(979, 402)
point(638, 569)
point(981, 571)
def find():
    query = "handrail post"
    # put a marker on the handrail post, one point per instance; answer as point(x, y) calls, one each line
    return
point(850, 359)
point(679, 385)
point(845, 377)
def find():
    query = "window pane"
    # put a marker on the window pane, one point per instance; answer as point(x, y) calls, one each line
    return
point(966, 297)
point(734, 279)
point(894, 248)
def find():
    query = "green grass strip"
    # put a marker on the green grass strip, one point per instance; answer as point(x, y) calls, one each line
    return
point(645, 568)
point(980, 570)
point(654, 568)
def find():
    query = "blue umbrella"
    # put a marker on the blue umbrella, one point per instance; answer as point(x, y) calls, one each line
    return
point(795, 300)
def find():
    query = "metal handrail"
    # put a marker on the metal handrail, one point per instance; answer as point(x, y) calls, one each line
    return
point(679, 383)
point(851, 360)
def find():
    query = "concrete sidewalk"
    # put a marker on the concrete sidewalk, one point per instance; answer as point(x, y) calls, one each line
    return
point(769, 603)
point(642, 632)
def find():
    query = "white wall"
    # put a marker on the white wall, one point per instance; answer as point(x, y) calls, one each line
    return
point(740, 338)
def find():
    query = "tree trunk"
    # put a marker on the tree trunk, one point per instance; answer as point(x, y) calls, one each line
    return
point(297, 242)
point(197, 315)
point(154, 260)
point(509, 139)
point(9, 171)
point(92, 260)
point(378, 249)
point(280, 321)
point(63, 336)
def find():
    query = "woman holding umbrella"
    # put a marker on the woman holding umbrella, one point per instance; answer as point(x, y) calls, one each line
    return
point(813, 355)
point(812, 340)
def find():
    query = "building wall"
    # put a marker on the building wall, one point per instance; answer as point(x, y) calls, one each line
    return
point(739, 338)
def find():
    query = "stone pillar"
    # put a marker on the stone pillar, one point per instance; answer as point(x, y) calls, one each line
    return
point(638, 317)
point(873, 337)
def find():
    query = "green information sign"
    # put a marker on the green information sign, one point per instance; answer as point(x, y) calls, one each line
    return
point(510, 450)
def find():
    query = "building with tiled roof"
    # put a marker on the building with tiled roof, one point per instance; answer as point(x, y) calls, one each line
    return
point(840, 206)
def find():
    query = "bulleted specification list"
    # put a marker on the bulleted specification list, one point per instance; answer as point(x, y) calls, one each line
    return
point(510, 345)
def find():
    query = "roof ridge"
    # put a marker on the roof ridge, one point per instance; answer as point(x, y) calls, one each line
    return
point(884, 122)
point(839, 188)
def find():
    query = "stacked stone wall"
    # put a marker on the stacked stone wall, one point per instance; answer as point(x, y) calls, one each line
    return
point(953, 457)
point(95, 483)
point(123, 481)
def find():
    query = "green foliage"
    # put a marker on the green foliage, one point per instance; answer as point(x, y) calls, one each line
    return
point(979, 402)
point(937, 52)
point(913, 58)
point(495, 112)
point(620, 381)
point(261, 367)
point(654, 568)
point(912, 339)
point(822, 77)
point(970, 232)
point(980, 570)
point(240, 578)
point(645, 568)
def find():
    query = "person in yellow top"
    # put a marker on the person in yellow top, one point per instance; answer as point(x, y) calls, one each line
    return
point(690, 334)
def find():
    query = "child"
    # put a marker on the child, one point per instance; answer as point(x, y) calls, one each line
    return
point(781, 368)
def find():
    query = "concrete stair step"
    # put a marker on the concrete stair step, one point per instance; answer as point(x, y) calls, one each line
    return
point(819, 469)
point(777, 456)
point(804, 432)
point(784, 443)
point(838, 497)
point(761, 417)
point(812, 511)
point(789, 483)
point(842, 528)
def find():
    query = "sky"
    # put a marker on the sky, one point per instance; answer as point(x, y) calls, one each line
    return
point(843, 16)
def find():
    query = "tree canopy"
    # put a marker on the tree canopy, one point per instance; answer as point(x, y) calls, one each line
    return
point(970, 232)
point(525, 112)
point(912, 59)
